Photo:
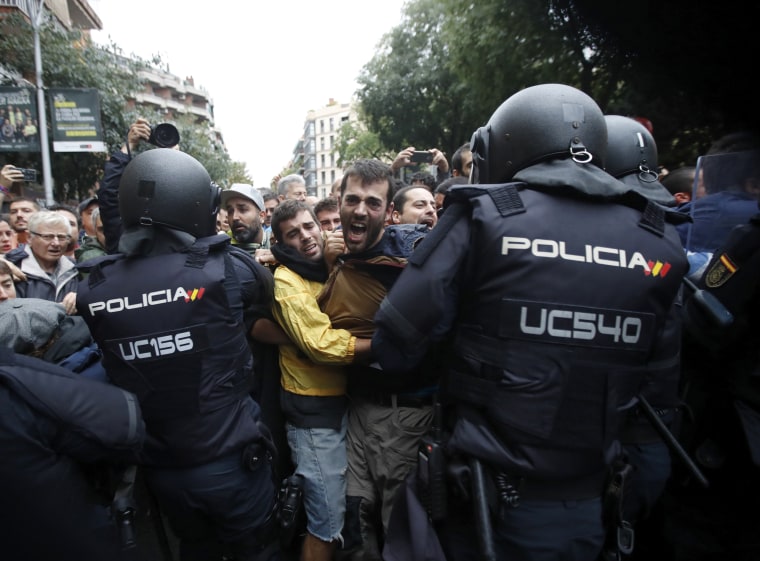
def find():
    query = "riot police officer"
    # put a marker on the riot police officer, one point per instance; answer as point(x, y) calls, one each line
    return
point(171, 312)
point(553, 292)
point(632, 158)
point(59, 433)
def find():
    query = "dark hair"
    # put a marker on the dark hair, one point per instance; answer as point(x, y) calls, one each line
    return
point(423, 178)
point(456, 159)
point(399, 199)
point(5, 269)
point(369, 171)
point(58, 206)
point(446, 184)
point(287, 210)
point(328, 203)
point(25, 199)
point(402, 195)
point(680, 180)
point(268, 195)
point(735, 142)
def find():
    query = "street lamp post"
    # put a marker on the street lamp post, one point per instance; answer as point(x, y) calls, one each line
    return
point(41, 107)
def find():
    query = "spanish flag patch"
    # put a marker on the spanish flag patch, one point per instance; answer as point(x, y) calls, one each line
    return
point(720, 271)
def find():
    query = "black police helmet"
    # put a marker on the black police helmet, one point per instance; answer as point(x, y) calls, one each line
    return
point(169, 188)
point(539, 123)
point(630, 147)
point(632, 158)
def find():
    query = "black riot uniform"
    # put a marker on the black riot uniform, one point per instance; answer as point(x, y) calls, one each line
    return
point(645, 466)
point(58, 432)
point(721, 391)
point(170, 320)
point(553, 293)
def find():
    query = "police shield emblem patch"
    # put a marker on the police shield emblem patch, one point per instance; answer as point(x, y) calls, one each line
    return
point(720, 271)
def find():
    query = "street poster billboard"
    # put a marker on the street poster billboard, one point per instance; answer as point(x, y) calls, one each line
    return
point(75, 119)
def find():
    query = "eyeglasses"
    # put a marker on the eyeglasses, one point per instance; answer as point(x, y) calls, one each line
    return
point(50, 237)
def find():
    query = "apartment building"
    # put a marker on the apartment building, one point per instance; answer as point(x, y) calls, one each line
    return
point(315, 155)
point(173, 96)
point(170, 95)
point(71, 14)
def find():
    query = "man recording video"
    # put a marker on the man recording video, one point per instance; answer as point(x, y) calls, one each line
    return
point(162, 135)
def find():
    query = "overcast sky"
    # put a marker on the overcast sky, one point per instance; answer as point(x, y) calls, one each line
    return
point(264, 64)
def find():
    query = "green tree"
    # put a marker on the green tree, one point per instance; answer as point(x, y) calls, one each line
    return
point(448, 65)
point(409, 93)
point(354, 141)
point(72, 61)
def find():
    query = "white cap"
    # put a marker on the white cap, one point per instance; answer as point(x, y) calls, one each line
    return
point(243, 190)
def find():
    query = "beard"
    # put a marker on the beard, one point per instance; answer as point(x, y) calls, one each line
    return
point(251, 234)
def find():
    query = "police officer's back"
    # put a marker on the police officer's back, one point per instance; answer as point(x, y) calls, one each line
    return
point(721, 392)
point(169, 314)
point(554, 293)
point(59, 433)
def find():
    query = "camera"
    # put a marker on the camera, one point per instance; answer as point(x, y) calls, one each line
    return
point(164, 135)
point(30, 175)
point(421, 157)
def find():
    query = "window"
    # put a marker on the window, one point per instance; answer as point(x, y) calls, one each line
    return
point(332, 141)
point(324, 176)
point(332, 161)
point(321, 125)
point(332, 124)
point(321, 142)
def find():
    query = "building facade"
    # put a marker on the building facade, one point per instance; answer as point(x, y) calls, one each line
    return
point(71, 14)
point(162, 91)
point(315, 154)
point(173, 97)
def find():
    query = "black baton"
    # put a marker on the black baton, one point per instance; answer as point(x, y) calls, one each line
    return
point(671, 441)
point(482, 515)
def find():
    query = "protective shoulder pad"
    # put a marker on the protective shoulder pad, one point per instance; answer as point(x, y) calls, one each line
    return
point(505, 196)
point(95, 267)
point(197, 254)
point(430, 242)
point(653, 219)
point(653, 215)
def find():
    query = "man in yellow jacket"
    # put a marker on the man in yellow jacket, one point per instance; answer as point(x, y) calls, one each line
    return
point(313, 395)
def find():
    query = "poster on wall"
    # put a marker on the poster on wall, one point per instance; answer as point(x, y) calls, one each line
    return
point(75, 118)
point(19, 124)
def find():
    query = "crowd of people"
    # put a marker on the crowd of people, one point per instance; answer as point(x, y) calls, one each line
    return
point(541, 348)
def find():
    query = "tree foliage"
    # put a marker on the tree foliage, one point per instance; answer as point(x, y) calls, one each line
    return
point(197, 140)
point(449, 64)
point(354, 141)
point(69, 60)
point(409, 94)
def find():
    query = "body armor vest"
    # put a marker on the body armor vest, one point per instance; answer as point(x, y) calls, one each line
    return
point(558, 323)
point(167, 330)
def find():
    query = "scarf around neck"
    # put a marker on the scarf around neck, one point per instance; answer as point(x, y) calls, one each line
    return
point(289, 256)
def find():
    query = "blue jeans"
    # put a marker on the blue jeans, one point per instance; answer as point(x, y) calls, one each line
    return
point(320, 457)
